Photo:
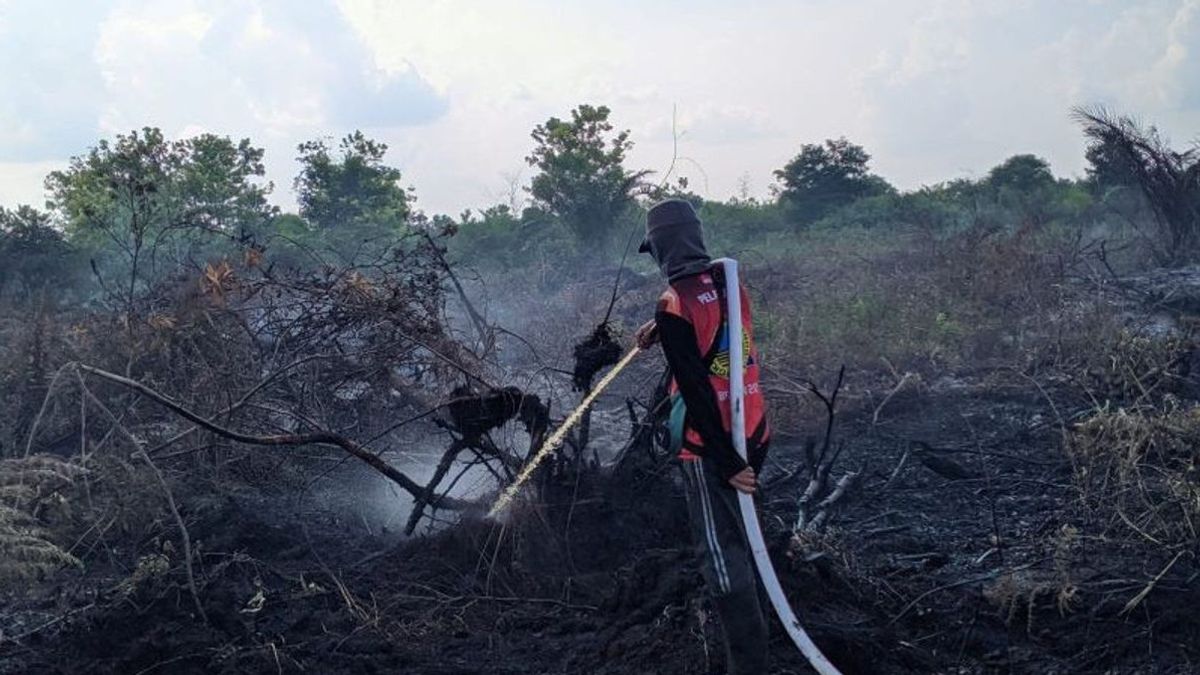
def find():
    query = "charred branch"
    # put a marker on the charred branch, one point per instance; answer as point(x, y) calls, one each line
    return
point(322, 437)
point(820, 499)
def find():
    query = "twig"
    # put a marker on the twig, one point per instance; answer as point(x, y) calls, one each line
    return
point(37, 420)
point(240, 402)
point(485, 336)
point(162, 481)
point(895, 390)
point(1137, 599)
point(899, 467)
point(962, 582)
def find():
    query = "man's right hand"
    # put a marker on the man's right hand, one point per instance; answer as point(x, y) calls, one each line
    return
point(646, 335)
point(745, 481)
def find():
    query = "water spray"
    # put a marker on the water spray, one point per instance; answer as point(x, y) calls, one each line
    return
point(559, 434)
point(762, 558)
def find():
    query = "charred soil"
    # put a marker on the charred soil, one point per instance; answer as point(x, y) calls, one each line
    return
point(964, 550)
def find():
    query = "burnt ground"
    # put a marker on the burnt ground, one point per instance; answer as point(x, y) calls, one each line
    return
point(970, 555)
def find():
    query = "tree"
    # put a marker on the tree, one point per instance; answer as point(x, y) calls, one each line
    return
point(1024, 185)
point(583, 180)
point(33, 253)
point(141, 196)
point(218, 183)
point(1108, 166)
point(1169, 179)
point(825, 177)
point(353, 190)
point(1021, 173)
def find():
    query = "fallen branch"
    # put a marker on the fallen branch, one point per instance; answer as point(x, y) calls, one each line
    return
point(321, 437)
point(48, 624)
point(840, 490)
point(430, 492)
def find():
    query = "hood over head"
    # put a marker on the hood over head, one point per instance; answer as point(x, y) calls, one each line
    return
point(675, 238)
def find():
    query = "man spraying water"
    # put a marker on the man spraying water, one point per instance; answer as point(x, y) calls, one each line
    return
point(719, 429)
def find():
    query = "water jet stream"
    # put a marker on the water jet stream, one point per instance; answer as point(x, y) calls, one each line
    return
point(559, 434)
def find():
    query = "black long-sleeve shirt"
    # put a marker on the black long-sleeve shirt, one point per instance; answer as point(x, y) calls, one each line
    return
point(680, 346)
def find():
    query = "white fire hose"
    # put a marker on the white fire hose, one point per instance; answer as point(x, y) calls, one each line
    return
point(762, 559)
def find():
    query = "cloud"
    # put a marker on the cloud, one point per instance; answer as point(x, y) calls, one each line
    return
point(713, 124)
point(1180, 63)
point(286, 67)
point(933, 89)
point(50, 83)
point(972, 82)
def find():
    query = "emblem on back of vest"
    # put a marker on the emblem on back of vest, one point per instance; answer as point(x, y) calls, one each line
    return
point(720, 363)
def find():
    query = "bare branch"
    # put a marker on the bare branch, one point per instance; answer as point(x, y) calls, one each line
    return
point(316, 438)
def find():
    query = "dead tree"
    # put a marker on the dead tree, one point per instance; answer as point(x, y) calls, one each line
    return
point(1169, 179)
point(322, 355)
point(245, 354)
point(820, 499)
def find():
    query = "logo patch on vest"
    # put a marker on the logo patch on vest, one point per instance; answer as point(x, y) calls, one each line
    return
point(720, 364)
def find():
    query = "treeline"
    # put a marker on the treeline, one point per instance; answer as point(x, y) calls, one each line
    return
point(140, 207)
point(584, 201)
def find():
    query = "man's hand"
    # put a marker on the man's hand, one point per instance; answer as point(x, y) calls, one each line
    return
point(646, 335)
point(745, 481)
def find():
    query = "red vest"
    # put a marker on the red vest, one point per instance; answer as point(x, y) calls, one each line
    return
point(700, 300)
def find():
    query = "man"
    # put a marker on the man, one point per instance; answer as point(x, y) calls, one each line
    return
point(691, 325)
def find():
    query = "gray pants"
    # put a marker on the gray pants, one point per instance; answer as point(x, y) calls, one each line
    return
point(727, 565)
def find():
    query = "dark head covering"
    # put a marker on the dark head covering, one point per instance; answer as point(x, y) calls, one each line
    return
point(675, 239)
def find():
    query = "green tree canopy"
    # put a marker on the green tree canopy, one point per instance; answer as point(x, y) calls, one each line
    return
point(1021, 173)
point(582, 179)
point(352, 189)
point(1024, 185)
point(825, 177)
point(141, 197)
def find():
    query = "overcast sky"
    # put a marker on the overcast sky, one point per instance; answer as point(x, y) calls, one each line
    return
point(934, 90)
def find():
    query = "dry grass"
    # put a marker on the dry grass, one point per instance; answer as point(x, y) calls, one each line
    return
point(920, 301)
point(1134, 368)
point(1020, 593)
point(1137, 470)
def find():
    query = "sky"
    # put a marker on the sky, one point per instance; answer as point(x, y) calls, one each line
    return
point(934, 90)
